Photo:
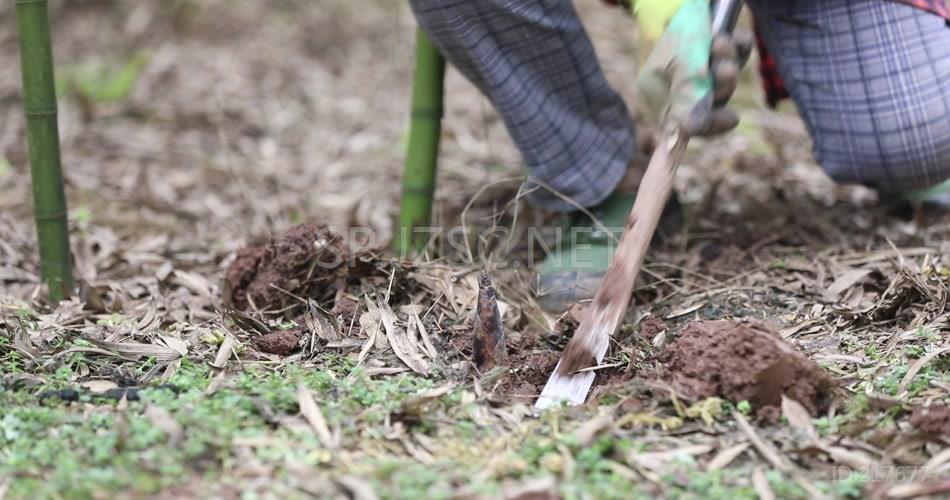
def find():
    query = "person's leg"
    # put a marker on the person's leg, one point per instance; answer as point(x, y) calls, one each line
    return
point(871, 79)
point(534, 61)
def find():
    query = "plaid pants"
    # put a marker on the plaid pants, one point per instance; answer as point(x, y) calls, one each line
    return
point(871, 79)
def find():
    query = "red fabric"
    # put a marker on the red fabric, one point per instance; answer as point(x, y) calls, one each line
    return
point(772, 82)
point(771, 79)
point(938, 7)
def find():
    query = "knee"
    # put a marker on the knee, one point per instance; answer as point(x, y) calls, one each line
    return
point(431, 7)
point(916, 158)
point(425, 9)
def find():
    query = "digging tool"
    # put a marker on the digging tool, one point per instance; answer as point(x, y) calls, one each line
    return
point(572, 377)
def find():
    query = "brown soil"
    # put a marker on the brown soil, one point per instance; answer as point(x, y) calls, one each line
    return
point(308, 259)
point(741, 361)
point(570, 320)
point(345, 307)
point(530, 361)
point(282, 343)
point(531, 370)
point(651, 326)
point(933, 419)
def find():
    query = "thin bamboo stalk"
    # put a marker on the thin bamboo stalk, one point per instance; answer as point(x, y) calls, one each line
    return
point(39, 104)
point(418, 181)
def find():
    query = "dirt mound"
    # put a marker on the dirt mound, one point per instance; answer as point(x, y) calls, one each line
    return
point(282, 343)
point(650, 326)
point(307, 259)
point(933, 419)
point(740, 361)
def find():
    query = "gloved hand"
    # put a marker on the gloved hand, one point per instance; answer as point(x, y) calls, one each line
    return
point(691, 74)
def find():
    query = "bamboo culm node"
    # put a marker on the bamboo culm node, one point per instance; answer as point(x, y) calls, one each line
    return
point(425, 129)
point(39, 105)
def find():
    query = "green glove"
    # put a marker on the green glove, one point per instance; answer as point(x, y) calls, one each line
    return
point(691, 73)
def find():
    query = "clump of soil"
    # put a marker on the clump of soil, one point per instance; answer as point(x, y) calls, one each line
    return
point(307, 259)
point(282, 343)
point(740, 361)
point(651, 326)
point(530, 371)
point(933, 419)
point(570, 320)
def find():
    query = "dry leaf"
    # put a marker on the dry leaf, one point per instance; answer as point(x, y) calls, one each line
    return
point(726, 456)
point(224, 351)
point(845, 282)
point(761, 484)
point(404, 348)
point(359, 488)
point(320, 325)
point(799, 418)
point(164, 421)
point(178, 345)
point(917, 366)
point(310, 411)
point(135, 349)
point(99, 386)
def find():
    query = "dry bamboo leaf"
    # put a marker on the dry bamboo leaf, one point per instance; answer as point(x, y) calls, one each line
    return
point(224, 351)
point(371, 321)
point(657, 460)
point(178, 345)
point(411, 336)
point(917, 490)
point(799, 418)
point(917, 366)
point(196, 283)
point(384, 370)
point(937, 462)
point(766, 450)
point(685, 311)
point(854, 459)
point(148, 317)
point(544, 488)
point(367, 346)
point(319, 324)
point(589, 430)
point(845, 282)
point(162, 420)
point(726, 456)
point(761, 484)
point(99, 386)
point(400, 343)
point(215, 382)
point(359, 488)
point(310, 411)
point(461, 291)
point(170, 370)
point(413, 312)
point(159, 352)
point(420, 455)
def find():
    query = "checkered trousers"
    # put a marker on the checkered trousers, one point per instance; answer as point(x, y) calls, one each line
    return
point(872, 82)
point(869, 78)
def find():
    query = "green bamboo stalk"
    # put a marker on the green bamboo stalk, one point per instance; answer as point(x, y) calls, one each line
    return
point(418, 181)
point(39, 104)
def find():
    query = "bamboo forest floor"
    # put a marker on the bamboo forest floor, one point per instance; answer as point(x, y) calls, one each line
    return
point(195, 128)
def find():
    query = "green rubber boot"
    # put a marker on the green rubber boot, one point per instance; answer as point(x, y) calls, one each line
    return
point(583, 250)
point(938, 195)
